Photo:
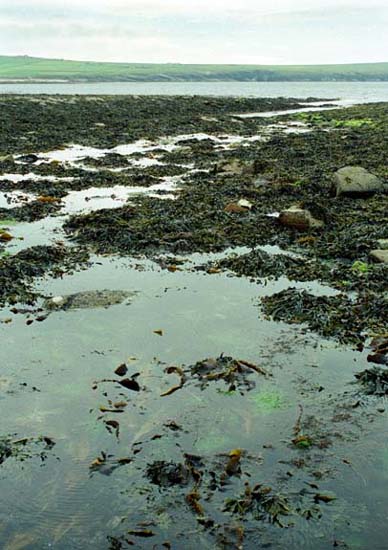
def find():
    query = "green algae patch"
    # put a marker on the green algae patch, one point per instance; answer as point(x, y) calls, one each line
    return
point(8, 222)
point(361, 267)
point(353, 123)
point(267, 402)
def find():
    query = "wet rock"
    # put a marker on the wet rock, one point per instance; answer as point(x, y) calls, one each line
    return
point(57, 301)
point(379, 347)
point(379, 256)
point(355, 180)
point(236, 167)
point(89, 299)
point(235, 208)
point(28, 159)
point(5, 237)
point(244, 203)
point(299, 219)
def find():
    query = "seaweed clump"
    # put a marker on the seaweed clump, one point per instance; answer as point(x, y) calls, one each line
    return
point(374, 380)
point(235, 373)
point(24, 448)
point(18, 271)
point(337, 316)
point(261, 502)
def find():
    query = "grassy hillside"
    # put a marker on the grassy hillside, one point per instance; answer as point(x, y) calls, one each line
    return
point(23, 67)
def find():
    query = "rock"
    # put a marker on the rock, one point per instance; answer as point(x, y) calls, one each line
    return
point(5, 237)
point(235, 167)
point(57, 301)
point(28, 159)
point(382, 244)
point(235, 208)
point(260, 182)
point(300, 219)
point(89, 299)
point(245, 204)
point(209, 119)
point(355, 180)
point(379, 256)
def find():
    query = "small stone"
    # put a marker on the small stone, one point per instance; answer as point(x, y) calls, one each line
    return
point(245, 204)
point(379, 256)
point(381, 410)
point(355, 180)
point(5, 237)
point(260, 182)
point(299, 219)
point(57, 301)
point(234, 207)
point(121, 370)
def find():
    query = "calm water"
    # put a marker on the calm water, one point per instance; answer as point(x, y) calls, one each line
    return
point(355, 91)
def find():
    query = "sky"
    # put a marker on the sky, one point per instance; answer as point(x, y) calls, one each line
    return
point(197, 31)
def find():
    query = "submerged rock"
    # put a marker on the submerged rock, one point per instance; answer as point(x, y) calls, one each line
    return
point(89, 299)
point(355, 180)
point(300, 219)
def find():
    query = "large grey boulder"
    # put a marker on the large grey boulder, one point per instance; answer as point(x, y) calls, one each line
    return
point(379, 256)
point(355, 180)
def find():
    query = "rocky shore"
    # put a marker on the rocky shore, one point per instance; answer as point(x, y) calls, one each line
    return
point(243, 218)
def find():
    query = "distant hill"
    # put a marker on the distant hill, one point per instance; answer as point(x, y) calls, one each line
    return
point(35, 68)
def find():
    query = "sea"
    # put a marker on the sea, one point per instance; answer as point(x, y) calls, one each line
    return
point(346, 92)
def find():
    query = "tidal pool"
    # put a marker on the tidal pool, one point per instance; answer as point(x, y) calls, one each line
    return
point(51, 368)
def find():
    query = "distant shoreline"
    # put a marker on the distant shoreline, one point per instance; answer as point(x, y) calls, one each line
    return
point(169, 81)
point(25, 69)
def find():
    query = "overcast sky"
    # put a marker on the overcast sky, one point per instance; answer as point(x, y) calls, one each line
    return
point(197, 31)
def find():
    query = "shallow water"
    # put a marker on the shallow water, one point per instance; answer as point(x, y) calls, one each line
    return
point(59, 505)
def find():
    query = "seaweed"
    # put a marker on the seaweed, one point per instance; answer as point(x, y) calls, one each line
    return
point(338, 316)
point(374, 380)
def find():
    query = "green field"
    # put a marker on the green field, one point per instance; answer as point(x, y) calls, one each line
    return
point(24, 67)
